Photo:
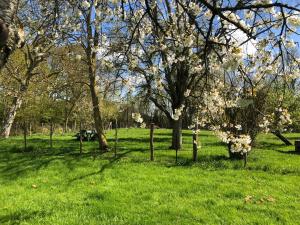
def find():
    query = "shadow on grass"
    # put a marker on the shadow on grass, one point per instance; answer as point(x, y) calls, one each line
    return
point(108, 165)
point(204, 161)
point(289, 152)
point(142, 140)
point(184, 134)
point(14, 163)
point(265, 145)
point(214, 144)
point(20, 216)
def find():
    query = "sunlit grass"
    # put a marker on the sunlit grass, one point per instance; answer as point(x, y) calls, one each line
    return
point(60, 186)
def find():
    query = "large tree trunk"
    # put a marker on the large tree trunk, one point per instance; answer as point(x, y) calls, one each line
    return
point(96, 112)
point(9, 120)
point(93, 36)
point(176, 134)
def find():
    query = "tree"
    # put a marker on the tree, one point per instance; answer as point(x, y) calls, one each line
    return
point(12, 34)
point(176, 44)
point(31, 61)
point(89, 28)
point(165, 49)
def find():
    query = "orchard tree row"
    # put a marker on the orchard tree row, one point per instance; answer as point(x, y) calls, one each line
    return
point(230, 66)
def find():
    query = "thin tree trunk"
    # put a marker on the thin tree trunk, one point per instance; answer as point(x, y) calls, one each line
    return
point(152, 142)
point(9, 120)
point(30, 129)
point(66, 124)
point(195, 143)
point(127, 117)
point(51, 135)
point(116, 137)
point(176, 134)
point(80, 136)
point(25, 136)
point(75, 126)
point(245, 159)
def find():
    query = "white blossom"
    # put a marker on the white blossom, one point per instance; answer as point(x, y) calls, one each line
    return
point(137, 118)
point(178, 112)
point(187, 93)
point(86, 4)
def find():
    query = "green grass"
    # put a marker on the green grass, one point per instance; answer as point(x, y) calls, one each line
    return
point(59, 186)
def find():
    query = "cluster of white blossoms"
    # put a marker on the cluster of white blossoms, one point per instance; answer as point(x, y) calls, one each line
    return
point(278, 120)
point(238, 143)
point(234, 18)
point(265, 124)
point(86, 4)
point(217, 98)
point(284, 117)
point(233, 59)
point(178, 112)
point(187, 93)
point(155, 53)
point(241, 144)
point(138, 118)
point(294, 20)
point(213, 116)
point(78, 57)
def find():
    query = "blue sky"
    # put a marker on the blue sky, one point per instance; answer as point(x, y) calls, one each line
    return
point(293, 3)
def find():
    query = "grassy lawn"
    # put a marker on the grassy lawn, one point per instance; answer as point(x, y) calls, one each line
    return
point(59, 186)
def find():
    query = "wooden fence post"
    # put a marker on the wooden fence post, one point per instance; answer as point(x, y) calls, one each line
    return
point(51, 135)
point(25, 136)
point(195, 143)
point(80, 135)
point(116, 136)
point(151, 142)
point(245, 159)
point(297, 146)
point(30, 129)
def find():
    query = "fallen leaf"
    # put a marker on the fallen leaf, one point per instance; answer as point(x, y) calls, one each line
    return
point(248, 198)
point(271, 199)
point(260, 201)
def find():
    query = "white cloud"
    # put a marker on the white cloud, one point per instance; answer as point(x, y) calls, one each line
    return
point(240, 37)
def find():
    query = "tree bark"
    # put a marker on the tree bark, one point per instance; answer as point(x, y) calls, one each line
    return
point(51, 134)
point(25, 136)
point(152, 141)
point(94, 36)
point(195, 143)
point(116, 136)
point(66, 129)
point(30, 129)
point(97, 113)
point(80, 137)
point(176, 134)
point(281, 137)
point(75, 126)
point(9, 120)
